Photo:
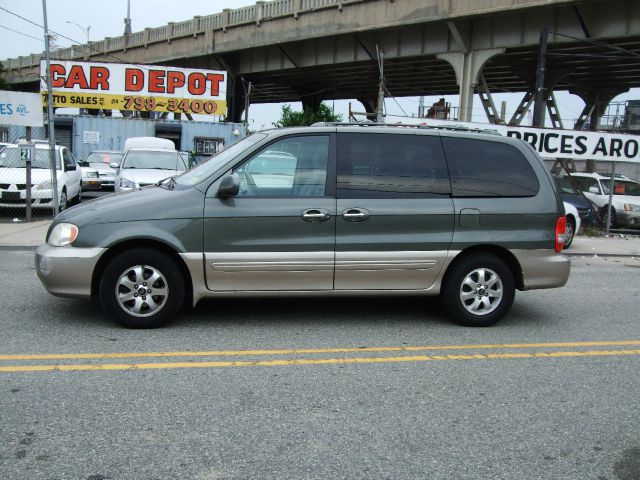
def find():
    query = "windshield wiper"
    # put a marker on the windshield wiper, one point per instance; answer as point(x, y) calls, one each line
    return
point(169, 183)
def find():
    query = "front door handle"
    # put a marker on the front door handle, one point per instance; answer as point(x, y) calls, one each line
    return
point(355, 214)
point(315, 215)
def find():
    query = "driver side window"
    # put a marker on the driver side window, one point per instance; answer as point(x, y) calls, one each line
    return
point(294, 166)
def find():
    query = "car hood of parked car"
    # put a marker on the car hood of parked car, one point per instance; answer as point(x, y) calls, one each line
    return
point(19, 175)
point(146, 176)
point(576, 199)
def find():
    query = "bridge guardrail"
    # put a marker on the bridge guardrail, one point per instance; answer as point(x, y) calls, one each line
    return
point(262, 11)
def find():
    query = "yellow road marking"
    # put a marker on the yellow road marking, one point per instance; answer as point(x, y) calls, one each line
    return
point(298, 351)
point(318, 361)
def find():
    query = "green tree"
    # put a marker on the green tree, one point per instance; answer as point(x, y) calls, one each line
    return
point(306, 117)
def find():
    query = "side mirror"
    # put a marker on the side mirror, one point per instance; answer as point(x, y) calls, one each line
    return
point(594, 190)
point(229, 187)
point(114, 165)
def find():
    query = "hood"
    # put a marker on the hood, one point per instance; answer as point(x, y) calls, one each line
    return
point(620, 200)
point(19, 175)
point(576, 199)
point(102, 169)
point(151, 203)
point(146, 176)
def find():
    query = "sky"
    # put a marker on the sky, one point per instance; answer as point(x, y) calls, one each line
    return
point(72, 18)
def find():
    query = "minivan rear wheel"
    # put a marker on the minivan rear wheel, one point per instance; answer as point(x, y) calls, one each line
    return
point(142, 288)
point(478, 290)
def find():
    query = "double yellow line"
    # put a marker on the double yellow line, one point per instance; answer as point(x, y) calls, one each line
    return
point(523, 351)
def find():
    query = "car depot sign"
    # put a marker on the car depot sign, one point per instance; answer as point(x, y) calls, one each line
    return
point(147, 88)
point(552, 144)
point(19, 108)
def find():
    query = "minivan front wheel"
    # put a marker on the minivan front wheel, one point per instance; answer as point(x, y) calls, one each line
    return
point(478, 290)
point(142, 288)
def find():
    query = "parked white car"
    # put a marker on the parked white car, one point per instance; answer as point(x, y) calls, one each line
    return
point(573, 224)
point(147, 161)
point(13, 178)
point(625, 206)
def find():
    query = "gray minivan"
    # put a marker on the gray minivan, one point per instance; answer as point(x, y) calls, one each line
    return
point(322, 210)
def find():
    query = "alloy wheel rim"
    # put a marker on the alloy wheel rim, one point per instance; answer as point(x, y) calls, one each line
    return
point(481, 291)
point(142, 290)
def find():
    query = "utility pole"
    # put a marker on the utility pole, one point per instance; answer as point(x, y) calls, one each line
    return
point(127, 21)
point(421, 107)
point(380, 105)
point(52, 134)
point(540, 91)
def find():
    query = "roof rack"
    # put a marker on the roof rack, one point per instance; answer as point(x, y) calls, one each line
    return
point(457, 128)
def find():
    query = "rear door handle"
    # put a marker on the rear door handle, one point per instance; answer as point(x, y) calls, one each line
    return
point(355, 214)
point(315, 215)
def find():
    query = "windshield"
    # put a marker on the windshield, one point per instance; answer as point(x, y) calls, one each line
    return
point(154, 159)
point(103, 159)
point(201, 172)
point(564, 185)
point(622, 187)
point(10, 158)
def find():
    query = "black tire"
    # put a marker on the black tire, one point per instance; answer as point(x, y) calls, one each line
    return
point(62, 201)
point(136, 308)
point(570, 232)
point(488, 312)
point(603, 217)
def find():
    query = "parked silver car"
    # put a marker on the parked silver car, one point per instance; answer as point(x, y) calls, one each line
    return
point(100, 160)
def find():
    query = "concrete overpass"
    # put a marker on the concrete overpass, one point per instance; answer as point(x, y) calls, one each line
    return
point(314, 50)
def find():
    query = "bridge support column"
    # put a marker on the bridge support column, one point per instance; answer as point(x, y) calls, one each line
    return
point(311, 102)
point(467, 67)
point(235, 99)
point(369, 105)
point(595, 102)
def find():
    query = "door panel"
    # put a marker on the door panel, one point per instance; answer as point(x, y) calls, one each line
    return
point(279, 232)
point(395, 216)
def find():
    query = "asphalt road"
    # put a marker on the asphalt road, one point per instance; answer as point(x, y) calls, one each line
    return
point(316, 388)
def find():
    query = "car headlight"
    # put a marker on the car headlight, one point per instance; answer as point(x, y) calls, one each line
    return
point(91, 174)
point(44, 185)
point(126, 183)
point(631, 207)
point(63, 234)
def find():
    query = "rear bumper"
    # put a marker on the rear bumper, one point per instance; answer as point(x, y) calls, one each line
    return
point(543, 268)
point(67, 271)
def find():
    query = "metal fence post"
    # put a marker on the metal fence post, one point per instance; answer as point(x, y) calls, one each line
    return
point(613, 173)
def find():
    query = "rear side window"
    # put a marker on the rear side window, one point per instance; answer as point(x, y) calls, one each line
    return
point(480, 168)
point(391, 166)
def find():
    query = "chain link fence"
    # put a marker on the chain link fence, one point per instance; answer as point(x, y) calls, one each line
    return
point(15, 189)
point(602, 183)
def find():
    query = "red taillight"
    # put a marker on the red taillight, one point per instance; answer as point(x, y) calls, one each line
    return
point(561, 230)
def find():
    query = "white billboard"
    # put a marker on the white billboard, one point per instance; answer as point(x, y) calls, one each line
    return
point(19, 108)
point(118, 86)
point(550, 143)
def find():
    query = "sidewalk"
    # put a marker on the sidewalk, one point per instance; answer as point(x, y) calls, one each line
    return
point(30, 235)
point(23, 234)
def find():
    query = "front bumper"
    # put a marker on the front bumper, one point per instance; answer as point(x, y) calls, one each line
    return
point(91, 184)
point(67, 271)
point(629, 219)
point(18, 198)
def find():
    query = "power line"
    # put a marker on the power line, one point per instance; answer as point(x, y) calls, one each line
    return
point(20, 33)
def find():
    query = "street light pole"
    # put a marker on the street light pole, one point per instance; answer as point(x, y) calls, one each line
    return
point(52, 134)
point(85, 30)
